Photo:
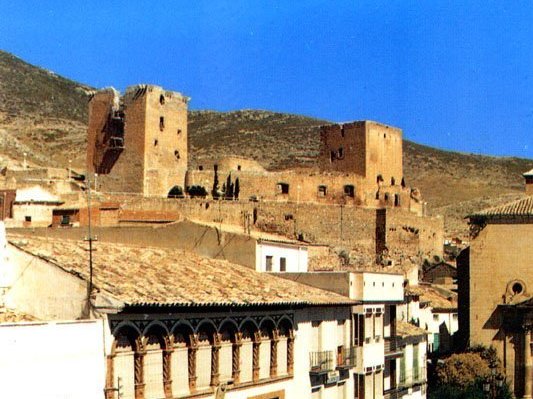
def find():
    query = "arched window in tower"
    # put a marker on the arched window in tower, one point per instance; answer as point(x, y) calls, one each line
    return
point(162, 99)
point(161, 123)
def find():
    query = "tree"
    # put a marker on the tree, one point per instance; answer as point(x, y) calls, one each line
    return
point(237, 189)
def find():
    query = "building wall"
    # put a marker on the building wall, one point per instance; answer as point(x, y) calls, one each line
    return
point(295, 257)
point(154, 157)
point(52, 360)
point(38, 288)
point(40, 214)
point(380, 287)
point(500, 256)
point(365, 148)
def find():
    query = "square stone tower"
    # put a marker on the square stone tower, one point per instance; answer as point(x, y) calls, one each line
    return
point(137, 143)
point(369, 149)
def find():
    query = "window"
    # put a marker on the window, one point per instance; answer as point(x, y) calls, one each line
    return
point(268, 263)
point(282, 264)
point(322, 190)
point(435, 317)
point(27, 218)
point(340, 153)
point(238, 167)
point(396, 199)
point(161, 123)
point(283, 188)
point(200, 167)
point(179, 132)
point(177, 154)
point(349, 190)
point(65, 220)
point(392, 181)
point(161, 99)
point(156, 142)
point(379, 179)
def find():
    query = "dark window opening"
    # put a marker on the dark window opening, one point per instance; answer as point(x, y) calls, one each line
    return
point(161, 99)
point(342, 131)
point(517, 288)
point(289, 216)
point(386, 197)
point(377, 195)
point(379, 179)
point(176, 192)
point(161, 123)
point(177, 154)
point(340, 153)
point(156, 142)
point(282, 264)
point(332, 156)
point(403, 182)
point(392, 181)
point(349, 190)
point(238, 167)
point(200, 167)
point(322, 191)
point(179, 132)
point(396, 199)
point(268, 266)
point(27, 218)
point(65, 220)
point(283, 188)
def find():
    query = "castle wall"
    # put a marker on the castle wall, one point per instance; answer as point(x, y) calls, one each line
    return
point(166, 154)
point(366, 148)
point(153, 155)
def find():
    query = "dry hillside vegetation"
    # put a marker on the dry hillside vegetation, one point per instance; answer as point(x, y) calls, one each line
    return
point(45, 116)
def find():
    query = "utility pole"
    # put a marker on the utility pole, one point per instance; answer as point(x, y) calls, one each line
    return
point(90, 239)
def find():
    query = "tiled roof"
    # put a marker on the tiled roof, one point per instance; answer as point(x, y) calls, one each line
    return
point(434, 297)
point(141, 276)
point(404, 329)
point(520, 208)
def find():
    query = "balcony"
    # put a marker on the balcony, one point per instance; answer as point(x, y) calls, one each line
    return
point(392, 347)
point(346, 357)
point(417, 377)
point(321, 362)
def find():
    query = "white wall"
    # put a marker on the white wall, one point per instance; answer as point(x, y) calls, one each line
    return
point(41, 214)
point(380, 287)
point(52, 360)
point(38, 288)
point(296, 256)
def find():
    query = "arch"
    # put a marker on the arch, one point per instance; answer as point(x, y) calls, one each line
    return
point(126, 324)
point(154, 324)
point(246, 322)
point(267, 322)
point(285, 322)
point(228, 321)
point(206, 324)
point(182, 324)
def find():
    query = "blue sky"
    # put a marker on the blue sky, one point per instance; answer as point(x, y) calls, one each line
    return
point(454, 75)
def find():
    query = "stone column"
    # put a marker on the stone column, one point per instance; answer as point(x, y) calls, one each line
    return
point(139, 369)
point(255, 364)
point(528, 363)
point(215, 360)
point(110, 376)
point(236, 358)
point(193, 348)
point(274, 354)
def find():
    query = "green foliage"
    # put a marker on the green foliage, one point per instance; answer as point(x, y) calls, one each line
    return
point(472, 391)
point(197, 191)
point(462, 369)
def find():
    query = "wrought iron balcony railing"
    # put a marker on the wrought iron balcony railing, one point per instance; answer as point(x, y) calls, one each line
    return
point(321, 362)
point(346, 357)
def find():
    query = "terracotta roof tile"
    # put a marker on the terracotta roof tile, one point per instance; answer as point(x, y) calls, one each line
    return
point(404, 329)
point(521, 208)
point(157, 276)
point(433, 297)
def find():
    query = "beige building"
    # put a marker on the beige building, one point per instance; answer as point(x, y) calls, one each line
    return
point(179, 325)
point(495, 286)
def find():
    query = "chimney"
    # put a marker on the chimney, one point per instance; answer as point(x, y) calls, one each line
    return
point(529, 182)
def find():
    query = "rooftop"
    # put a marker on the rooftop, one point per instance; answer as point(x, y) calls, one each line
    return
point(519, 208)
point(404, 329)
point(528, 174)
point(436, 298)
point(143, 276)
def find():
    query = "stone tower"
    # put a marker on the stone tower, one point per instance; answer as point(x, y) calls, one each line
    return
point(137, 143)
point(369, 149)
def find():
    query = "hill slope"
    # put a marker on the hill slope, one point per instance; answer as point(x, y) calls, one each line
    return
point(45, 115)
